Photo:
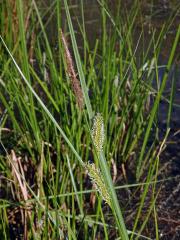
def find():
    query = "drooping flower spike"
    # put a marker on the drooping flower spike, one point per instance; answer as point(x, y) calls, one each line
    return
point(97, 178)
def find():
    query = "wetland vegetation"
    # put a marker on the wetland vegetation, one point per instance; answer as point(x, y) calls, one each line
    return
point(89, 124)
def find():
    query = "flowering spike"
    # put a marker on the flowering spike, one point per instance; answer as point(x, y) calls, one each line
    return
point(98, 132)
point(72, 74)
point(97, 178)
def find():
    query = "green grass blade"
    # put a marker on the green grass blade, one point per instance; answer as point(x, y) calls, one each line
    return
point(103, 163)
point(43, 106)
point(115, 204)
point(156, 104)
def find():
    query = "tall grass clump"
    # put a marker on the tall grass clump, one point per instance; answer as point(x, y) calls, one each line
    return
point(71, 119)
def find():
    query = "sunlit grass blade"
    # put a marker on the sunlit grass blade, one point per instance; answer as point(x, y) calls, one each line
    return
point(103, 164)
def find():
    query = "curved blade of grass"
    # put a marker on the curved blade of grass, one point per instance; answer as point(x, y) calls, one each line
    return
point(116, 208)
point(43, 105)
point(103, 164)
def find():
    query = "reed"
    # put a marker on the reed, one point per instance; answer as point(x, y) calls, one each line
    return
point(65, 149)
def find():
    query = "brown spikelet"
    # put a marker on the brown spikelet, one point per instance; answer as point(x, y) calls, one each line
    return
point(72, 74)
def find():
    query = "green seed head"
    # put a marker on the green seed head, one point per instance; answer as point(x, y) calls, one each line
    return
point(97, 178)
point(98, 132)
